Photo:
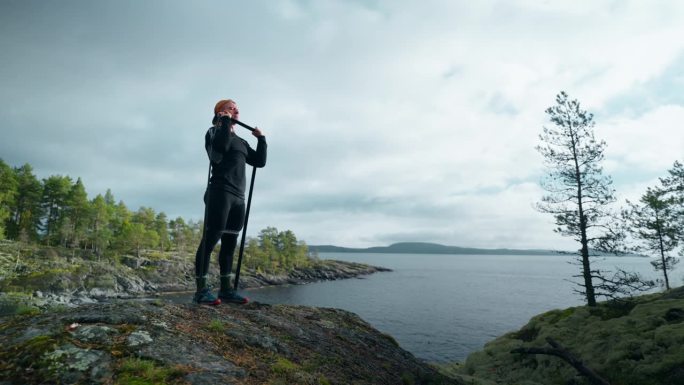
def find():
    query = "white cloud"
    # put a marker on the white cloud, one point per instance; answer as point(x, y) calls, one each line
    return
point(385, 121)
point(648, 143)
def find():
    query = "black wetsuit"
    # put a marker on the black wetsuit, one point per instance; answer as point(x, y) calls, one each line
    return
point(225, 197)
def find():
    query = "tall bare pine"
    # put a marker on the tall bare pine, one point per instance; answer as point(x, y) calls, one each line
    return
point(578, 194)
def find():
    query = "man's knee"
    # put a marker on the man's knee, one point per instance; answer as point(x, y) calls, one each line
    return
point(229, 237)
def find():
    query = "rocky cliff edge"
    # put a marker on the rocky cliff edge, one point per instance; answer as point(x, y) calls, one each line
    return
point(154, 342)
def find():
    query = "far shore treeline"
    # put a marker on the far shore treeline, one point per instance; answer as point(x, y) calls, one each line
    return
point(56, 211)
point(430, 248)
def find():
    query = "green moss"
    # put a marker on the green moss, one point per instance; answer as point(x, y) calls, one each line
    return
point(407, 379)
point(284, 366)
point(390, 339)
point(26, 310)
point(59, 308)
point(318, 361)
point(454, 370)
point(39, 344)
point(126, 328)
point(614, 309)
point(29, 354)
point(216, 326)
point(449, 369)
point(635, 342)
point(55, 279)
point(285, 371)
point(49, 272)
point(554, 316)
point(527, 333)
point(136, 371)
point(104, 281)
point(16, 303)
point(157, 255)
point(157, 302)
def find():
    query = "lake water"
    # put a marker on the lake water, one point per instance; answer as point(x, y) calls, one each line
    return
point(443, 307)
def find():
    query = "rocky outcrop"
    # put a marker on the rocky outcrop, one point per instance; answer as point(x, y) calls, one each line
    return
point(639, 341)
point(155, 342)
point(326, 270)
point(41, 277)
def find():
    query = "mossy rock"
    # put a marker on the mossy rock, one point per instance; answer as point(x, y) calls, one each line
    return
point(104, 281)
point(54, 279)
point(17, 304)
point(640, 342)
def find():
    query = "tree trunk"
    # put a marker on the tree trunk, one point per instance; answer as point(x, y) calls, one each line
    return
point(559, 351)
point(586, 266)
point(586, 273)
point(662, 251)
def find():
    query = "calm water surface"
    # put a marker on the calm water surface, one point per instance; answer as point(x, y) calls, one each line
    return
point(444, 307)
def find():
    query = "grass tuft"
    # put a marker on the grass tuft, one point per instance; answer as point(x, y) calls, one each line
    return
point(216, 326)
point(136, 371)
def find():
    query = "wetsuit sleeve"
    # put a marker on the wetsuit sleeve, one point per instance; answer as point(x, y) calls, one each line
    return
point(217, 142)
point(257, 158)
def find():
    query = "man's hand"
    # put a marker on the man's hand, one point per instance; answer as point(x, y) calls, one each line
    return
point(257, 132)
point(228, 123)
point(225, 113)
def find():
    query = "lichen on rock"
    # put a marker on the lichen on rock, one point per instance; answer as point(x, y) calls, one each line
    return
point(128, 341)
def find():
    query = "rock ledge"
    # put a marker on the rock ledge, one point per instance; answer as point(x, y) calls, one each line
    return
point(191, 344)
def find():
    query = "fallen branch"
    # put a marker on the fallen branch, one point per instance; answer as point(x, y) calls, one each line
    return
point(559, 351)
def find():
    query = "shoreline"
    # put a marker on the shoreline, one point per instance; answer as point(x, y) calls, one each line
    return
point(132, 284)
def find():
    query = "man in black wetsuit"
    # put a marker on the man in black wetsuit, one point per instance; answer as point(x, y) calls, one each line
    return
point(225, 199)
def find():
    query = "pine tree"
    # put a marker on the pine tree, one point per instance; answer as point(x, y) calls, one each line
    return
point(8, 194)
point(161, 226)
point(254, 257)
point(120, 217)
point(193, 234)
point(653, 223)
point(176, 230)
point(673, 186)
point(184, 235)
point(54, 201)
point(132, 237)
point(99, 233)
point(109, 198)
point(146, 217)
point(268, 243)
point(77, 211)
point(27, 212)
point(578, 192)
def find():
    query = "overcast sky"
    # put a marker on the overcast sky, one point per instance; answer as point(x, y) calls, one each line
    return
point(386, 120)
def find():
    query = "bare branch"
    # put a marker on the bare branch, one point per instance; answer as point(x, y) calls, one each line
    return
point(561, 352)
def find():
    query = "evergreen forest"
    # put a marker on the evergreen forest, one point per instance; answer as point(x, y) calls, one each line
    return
point(56, 211)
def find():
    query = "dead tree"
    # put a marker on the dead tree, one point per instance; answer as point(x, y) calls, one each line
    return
point(561, 352)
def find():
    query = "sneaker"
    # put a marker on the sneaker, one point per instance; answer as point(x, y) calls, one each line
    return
point(231, 296)
point(205, 297)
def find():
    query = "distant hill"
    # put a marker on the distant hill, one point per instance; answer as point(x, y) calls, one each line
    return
point(428, 248)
